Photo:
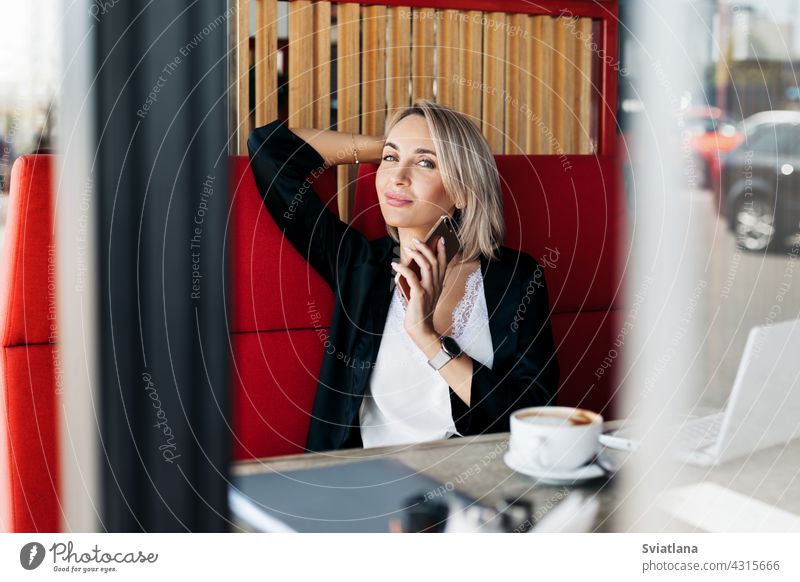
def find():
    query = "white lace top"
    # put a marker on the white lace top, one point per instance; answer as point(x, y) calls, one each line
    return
point(408, 401)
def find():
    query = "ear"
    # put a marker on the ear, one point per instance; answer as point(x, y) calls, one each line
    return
point(457, 216)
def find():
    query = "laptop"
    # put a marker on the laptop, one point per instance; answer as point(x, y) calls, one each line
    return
point(763, 409)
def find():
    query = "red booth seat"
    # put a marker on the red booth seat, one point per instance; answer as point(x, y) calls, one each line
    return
point(280, 313)
point(567, 215)
point(281, 310)
point(28, 389)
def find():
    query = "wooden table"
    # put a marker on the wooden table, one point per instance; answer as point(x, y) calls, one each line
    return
point(473, 465)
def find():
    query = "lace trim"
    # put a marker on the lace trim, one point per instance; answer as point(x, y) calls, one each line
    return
point(461, 314)
point(465, 307)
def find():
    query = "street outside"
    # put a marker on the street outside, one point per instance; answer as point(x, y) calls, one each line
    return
point(744, 289)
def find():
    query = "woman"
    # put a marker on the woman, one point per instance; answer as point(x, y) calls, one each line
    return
point(472, 344)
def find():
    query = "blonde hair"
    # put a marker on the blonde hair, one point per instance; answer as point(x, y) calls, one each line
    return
point(469, 174)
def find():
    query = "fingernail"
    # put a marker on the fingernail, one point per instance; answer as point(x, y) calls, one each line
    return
point(441, 241)
point(409, 249)
point(415, 241)
point(394, 265)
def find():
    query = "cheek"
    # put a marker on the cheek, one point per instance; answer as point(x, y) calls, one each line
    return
point(436, 195)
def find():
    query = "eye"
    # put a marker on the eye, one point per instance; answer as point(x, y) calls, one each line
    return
point(431, 163)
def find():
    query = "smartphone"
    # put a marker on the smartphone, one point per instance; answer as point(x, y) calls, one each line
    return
point(444, 227)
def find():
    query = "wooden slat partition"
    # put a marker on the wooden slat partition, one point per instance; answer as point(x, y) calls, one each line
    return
point(347, 94)
point(582, 103)
point(514, 94)
point(322, 64)
point(571, 111)
point(523, 76)
point(447, 50)
point(544, 128)
point(398, 57)
point(470, 66)
point(534, 88)
point(266, 87)
point(422, 50)
point(301, 64)
point(561, 68)
point(373, 70)
point(494, 54)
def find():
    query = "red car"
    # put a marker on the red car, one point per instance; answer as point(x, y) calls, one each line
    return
point(711, 134)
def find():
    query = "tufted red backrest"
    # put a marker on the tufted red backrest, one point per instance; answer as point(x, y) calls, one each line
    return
point(568, 213)
point(280, 313)
point(281, 309)
point(29, 479)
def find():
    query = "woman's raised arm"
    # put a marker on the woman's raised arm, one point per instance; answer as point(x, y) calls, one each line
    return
point(338, 147)
point(284, 164)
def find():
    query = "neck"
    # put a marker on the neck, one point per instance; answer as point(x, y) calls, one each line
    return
point(408, 233)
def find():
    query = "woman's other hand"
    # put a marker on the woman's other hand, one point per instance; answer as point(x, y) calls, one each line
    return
point(425, 290)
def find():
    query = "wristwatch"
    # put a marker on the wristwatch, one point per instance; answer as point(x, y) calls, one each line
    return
point(450, 349)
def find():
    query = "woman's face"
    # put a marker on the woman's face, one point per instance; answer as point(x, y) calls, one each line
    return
point(409, 185)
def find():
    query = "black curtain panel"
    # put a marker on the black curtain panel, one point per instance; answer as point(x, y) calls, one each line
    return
point(161, 178)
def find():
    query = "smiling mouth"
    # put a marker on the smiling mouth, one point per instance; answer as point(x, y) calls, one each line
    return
point(396, 200)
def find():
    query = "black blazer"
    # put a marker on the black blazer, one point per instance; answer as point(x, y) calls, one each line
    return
point(524, 371)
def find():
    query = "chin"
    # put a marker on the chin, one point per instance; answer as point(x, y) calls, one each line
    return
point(399, 223)
point(397, 219)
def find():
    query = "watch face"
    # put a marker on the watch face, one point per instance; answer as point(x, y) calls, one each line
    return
point(451, 346)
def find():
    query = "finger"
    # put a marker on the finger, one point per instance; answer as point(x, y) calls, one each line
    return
point(441, 257)
point(429, 254)
point(410, 277)
point(426, 277)
point(425, 250)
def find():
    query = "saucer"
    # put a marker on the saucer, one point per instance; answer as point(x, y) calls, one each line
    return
point(555, 476)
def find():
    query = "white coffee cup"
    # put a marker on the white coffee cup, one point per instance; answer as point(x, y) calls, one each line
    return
point(555, 437)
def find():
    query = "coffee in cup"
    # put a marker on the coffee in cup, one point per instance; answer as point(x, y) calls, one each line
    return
point(555, 437)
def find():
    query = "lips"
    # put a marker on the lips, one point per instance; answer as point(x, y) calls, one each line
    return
point(397, 199)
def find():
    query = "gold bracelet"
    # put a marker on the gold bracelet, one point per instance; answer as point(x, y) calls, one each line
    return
point(355, 151)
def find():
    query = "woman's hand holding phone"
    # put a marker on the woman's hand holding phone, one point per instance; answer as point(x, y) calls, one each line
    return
point(425, 289)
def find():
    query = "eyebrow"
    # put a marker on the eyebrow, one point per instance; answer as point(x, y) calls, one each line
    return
point(389, 144)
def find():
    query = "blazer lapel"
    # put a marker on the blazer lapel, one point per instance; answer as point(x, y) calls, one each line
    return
point(381, 295)
point(501, 299)
point(377, 298)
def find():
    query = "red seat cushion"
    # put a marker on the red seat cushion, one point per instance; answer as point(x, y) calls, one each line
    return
point(280, 313)
point(29, 443)
point(585, 343)
point(26, 292)
point(29, 488)
point(275, 380)
point(271, 281)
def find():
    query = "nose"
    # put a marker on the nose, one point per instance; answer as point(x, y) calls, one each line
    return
point(400, 174)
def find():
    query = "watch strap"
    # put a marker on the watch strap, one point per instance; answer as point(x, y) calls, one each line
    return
point(444, 356)
point(440, 359)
